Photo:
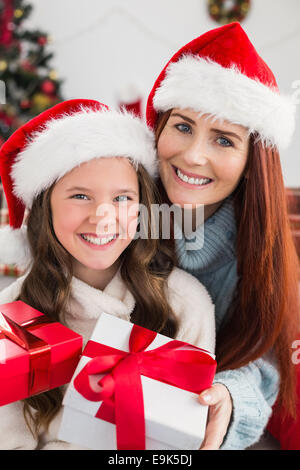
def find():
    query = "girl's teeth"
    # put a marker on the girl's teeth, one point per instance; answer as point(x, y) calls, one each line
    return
point(196, 181)
point(97, 240)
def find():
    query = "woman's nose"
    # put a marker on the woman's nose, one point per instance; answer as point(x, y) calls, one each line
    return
point(196, 153)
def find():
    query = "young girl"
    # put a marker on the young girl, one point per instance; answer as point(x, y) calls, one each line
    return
point(220, 122)
point(83, 171)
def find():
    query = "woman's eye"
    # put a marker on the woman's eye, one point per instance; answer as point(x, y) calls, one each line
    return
point(79, 196)
point(224, 142)
point(184, 128)
point(122, 198)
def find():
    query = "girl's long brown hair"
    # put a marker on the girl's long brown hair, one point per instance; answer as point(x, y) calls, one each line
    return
point(264, 314)
point(145, 266)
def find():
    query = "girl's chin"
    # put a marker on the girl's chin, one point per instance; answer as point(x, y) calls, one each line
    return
point(84, 264)
point(98, 267)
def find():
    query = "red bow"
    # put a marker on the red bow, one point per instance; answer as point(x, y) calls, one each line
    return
point(176, 363)
point(38, 349)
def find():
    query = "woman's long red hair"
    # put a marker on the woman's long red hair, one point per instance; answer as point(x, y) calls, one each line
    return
point(264, 314)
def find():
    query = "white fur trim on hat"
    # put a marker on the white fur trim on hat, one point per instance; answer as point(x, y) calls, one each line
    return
point(71, 140)
point(226, 93)
point(14, 246)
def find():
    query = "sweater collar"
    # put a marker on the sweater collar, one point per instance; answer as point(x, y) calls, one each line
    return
point(115, 299)
point(213, 244)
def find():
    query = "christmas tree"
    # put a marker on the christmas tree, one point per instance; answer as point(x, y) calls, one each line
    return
point(31, 85)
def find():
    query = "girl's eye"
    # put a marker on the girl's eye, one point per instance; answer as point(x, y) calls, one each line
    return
point(79, 196)
point(122, 198)
point(224, 142)
point(184, 128)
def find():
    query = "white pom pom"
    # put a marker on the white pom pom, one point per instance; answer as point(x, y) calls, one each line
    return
point(14, 247)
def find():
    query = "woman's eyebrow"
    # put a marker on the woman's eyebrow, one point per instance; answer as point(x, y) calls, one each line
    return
point(182, 116)
point(220, 131)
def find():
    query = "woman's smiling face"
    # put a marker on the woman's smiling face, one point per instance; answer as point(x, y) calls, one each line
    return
point(201, 159)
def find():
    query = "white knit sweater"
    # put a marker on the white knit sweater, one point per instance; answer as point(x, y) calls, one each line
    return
point(188, 298)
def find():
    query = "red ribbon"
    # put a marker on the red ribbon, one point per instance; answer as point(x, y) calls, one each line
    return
point(176, 363)
point(38, 349)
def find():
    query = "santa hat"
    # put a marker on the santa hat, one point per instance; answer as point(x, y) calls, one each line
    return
point(52, 144)
point(221, 74)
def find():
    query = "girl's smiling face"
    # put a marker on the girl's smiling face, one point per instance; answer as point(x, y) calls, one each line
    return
point(95, 213)
point(201, 159)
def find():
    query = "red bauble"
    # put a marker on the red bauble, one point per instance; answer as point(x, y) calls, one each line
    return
point(48, 87)
point(28, 66)
point(25, 104)
point(42, 40)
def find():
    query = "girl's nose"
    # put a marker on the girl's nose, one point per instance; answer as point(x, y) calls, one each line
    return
point(103, 216)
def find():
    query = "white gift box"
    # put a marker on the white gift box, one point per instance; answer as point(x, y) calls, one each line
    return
point(174, 418)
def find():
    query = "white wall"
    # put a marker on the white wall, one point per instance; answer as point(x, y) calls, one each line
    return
point(103, 46)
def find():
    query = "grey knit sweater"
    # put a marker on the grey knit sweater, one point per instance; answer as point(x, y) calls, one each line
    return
point(254, 387)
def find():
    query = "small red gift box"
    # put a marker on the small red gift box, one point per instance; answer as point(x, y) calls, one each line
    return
point(36, 353)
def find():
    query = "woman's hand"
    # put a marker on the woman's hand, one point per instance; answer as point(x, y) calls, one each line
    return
point(219, 401)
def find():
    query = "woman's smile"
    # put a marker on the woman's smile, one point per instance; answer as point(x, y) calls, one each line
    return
point(190, 180)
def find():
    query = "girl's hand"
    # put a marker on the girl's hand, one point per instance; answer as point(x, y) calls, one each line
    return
point(219, 401)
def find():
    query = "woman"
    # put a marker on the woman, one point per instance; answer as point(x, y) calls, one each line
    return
point(220, 122)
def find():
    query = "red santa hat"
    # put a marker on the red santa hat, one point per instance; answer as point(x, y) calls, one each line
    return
point(52, 144)
point(221, 74)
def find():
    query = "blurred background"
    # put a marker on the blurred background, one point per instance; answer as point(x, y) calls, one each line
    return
point(113, 51)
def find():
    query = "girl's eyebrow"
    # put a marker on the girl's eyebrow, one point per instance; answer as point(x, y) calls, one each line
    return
point(123, 191)
point(182, 116)
point(126, 191)
point(78, 188)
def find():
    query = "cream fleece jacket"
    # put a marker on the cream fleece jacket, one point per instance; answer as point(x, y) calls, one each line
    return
point(191, 304)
